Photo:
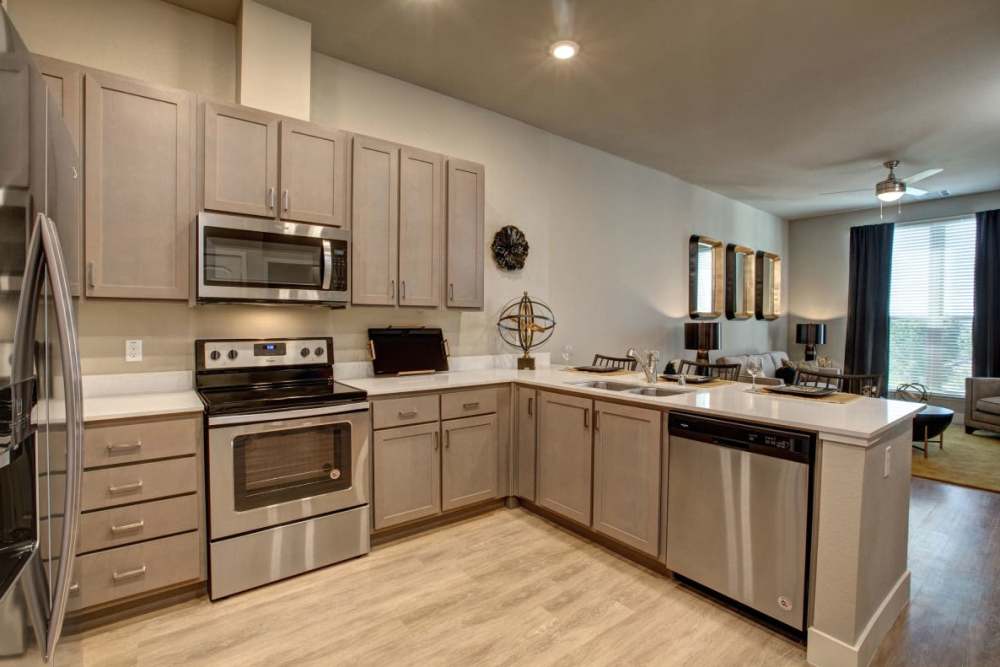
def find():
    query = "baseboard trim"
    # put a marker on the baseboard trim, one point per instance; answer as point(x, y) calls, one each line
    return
point(402, 531)
point(824, 650)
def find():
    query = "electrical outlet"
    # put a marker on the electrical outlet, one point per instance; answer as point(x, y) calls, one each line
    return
point(133, 350)
point(888, 461)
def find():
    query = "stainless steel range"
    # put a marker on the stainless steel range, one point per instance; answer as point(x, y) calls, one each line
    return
point(287, 451)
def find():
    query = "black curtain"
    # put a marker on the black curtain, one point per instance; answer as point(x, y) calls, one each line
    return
point(986, 320)
point(867, 349)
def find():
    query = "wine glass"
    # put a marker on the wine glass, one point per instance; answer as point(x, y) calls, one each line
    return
point(567, 354)
point(754, 367)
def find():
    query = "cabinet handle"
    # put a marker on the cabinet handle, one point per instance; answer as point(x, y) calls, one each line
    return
point(531, 406)
point(128, 527)
point(586, 418)
point(447, 440)
point(402, 289)
point(437, 440)
point(470, 406)
point(270, 198)
point(74, 588)
point(597, 420)
point(125, 488)
point(117, 576)
point(451, 291)
point(392, 289)
point(285, 200)
point(124, 447)
point(407, 414)
point(91, 283)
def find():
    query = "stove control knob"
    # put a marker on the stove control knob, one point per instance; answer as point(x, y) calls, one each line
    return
point(305, 352)
point(215, 355)
point(319, 352)
point(233, 354)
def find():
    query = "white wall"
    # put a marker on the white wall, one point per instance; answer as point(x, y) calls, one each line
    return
point(608, 237)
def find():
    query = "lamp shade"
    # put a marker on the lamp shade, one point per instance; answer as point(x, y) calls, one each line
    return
point(701, 335)
point(810, 334)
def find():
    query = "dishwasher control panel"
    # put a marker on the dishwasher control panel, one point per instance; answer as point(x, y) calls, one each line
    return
point(755, 438)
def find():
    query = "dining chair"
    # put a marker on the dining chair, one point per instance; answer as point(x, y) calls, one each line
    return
point(720, 371)
point(624, 363)
point(819, 379)
point(863, 385)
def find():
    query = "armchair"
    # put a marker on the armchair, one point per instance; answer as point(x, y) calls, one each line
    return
point(982, 404)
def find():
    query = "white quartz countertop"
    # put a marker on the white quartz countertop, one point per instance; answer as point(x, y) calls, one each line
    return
point(861, 421)
point(101, 408)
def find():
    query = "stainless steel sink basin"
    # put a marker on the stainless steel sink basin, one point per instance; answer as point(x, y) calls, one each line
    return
point(608, 386)
point(654, 391)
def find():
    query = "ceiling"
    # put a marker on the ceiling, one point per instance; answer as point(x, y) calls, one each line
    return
point(770, 102)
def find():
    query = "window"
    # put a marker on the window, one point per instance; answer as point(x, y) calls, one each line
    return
point(931, 305)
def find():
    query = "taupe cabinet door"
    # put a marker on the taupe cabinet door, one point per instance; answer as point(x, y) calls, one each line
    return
point(525, 423)
point(565, 455)
point(313, 174)
point(469, 465)
point(466, 218)
point(241, 160)
point(375, 222)
point(407, 465)
point(14, 121)
point(138, 188)
point(421, 228)
point(627, 474)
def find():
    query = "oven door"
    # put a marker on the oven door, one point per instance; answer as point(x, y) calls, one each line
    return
point(269, 469)
point(248, 259)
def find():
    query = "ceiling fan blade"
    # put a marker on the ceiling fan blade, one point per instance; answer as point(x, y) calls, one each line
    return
point(926, 173)
point(844, 192)
point(916, 192)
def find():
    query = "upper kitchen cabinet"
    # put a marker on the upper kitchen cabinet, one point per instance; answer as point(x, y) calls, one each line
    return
point(421, 228)
point(241, 160)
point(466, 218)
point(374, 222)
point(313, 174)
point(139, 147)
point(14, 121)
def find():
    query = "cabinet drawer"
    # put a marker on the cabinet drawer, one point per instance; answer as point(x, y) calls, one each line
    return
point(134, 441)
point(117, 573)
point(144, 481)
point(468, 403)
point(132, 523)
point(403, 411)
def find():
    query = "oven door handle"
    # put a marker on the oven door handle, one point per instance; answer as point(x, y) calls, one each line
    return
point(327, 264)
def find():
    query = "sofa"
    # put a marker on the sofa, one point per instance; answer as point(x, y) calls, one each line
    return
point(982, 404)
point(770, 362)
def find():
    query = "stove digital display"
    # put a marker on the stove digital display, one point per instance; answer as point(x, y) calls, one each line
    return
point(268, 349)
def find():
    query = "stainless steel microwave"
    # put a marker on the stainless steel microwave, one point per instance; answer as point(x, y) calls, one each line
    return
point(269, 261)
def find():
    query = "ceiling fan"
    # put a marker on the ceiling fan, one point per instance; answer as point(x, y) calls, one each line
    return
point(892, 188)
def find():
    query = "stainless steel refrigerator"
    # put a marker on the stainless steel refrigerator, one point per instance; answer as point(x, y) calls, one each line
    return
point(41, 420)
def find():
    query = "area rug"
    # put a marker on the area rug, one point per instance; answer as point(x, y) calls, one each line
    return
point(967, 460)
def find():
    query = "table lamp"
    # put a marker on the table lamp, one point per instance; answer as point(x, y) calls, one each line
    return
point(810, 335)
point(701, 336)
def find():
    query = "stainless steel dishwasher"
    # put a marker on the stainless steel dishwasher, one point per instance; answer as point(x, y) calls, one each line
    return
point(738, 512)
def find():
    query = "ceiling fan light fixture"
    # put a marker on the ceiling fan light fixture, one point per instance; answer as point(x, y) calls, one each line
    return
point(890, 190)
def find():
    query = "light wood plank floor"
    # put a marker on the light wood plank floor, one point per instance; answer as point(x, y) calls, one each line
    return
point(509, 588)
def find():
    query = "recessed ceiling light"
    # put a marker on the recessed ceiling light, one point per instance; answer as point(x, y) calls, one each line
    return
point(565, 49)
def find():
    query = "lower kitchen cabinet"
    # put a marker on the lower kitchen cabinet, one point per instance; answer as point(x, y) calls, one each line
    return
point(469, 461)
point(627, 455)
point(407, 471)
point(565, 455)
point(525, 438)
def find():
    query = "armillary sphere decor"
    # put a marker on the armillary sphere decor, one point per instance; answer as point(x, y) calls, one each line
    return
point(526, 323)
point(510, 248)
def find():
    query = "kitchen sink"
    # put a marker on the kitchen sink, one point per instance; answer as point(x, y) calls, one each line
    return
point(607, 386)
point(654, 391)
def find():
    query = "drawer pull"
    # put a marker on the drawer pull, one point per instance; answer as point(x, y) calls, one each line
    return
point(124, 447)
point(470, 406)
point(407, 414)
point(74, 589)
point(117, 576)
point(128, 527)
point(125, 488)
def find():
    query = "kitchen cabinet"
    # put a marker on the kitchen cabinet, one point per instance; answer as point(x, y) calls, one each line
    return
point(469, 463)
point(313, 174)
point(421, 228)
point(14, 120)
point(138, 188)
point(466, 217)
point(627, 453)
point(241, 160)
point(565, 455)
point(525, 423)
point(407, 474)
point(374, 222)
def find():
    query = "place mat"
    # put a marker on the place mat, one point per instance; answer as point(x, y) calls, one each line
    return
point(620, 371)
point(840, 398)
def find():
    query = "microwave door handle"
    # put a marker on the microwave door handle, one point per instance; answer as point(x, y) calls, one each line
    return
point(73, 392)
point(327, 264)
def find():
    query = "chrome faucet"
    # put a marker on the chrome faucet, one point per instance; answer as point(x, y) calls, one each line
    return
point(648, 367)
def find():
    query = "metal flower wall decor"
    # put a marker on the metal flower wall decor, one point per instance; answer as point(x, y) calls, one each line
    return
point(510, 248)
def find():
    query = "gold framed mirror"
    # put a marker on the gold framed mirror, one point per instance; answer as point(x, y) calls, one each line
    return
point(740, 285)
point(767, 302)
point(705, 277)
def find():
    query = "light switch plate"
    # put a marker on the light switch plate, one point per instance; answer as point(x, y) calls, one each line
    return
point(133, 350)
point(888, 460)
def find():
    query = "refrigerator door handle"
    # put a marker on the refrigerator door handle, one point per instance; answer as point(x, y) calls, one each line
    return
point(73, 392)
